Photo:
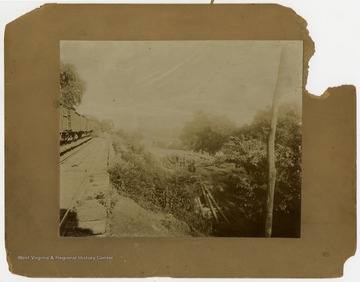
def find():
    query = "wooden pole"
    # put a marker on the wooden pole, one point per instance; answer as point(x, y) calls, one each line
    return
point(217, 206)
point(212, 209)
point(208, 201)
point(271, 154)
point(200, 206)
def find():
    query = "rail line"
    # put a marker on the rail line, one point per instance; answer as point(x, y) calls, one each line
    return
point(78, 147)
point(82, 188)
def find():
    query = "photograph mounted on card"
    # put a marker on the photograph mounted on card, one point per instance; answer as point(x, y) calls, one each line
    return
point(185, 149)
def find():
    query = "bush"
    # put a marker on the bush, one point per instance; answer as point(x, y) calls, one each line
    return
point(141, 176)
point(247, 149)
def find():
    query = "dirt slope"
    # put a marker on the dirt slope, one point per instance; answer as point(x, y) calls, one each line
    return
point(128, 219)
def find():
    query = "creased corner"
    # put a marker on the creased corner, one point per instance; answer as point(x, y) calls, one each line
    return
point(41, 8)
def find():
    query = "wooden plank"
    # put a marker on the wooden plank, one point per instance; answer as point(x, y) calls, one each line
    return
point(217, 206)
point(200, 206)
point(213, 209)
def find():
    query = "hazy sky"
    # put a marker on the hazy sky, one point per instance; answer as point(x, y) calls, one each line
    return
point(141, 84)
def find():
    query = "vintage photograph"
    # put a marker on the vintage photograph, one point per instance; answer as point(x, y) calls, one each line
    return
point(180, 138)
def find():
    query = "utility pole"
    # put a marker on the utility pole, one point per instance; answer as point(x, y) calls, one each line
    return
point(271, 152)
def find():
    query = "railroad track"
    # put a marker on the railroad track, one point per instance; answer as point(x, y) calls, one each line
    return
point(85, 181)
point(69, 152)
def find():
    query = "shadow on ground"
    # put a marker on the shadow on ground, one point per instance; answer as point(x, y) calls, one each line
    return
point(70, 228)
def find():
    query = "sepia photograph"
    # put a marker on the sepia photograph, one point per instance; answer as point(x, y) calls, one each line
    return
point(180, 138)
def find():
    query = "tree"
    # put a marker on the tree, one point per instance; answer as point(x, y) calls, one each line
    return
point(247, 149)
point(72, 87)
point(206, 133)
point(271, 153)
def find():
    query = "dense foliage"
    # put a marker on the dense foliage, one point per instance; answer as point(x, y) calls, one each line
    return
point(72, 87)
point(205, 133)
point(237, 177)
point(247, 150)
point(140, 176)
